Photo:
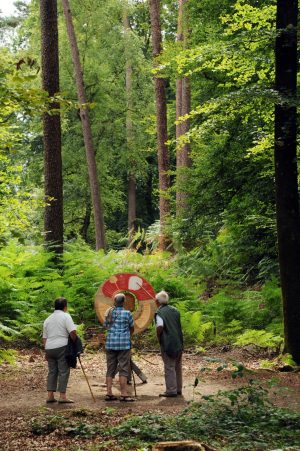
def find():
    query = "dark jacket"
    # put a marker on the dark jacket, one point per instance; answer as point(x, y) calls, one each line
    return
point(74, 349)
point(171, 338)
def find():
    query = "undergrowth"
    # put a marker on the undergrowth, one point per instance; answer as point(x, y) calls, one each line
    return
point(29, 282)
point(240, 419)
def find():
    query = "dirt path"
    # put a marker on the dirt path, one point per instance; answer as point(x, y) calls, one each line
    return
point(23, 386)
point(22, 389)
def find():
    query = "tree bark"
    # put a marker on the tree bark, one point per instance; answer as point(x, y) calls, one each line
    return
point(287, 198)
point(87, 132)
point(87, 219)
point(161, 124)
point(183, 107)
point(53, 218)
point(129, 130)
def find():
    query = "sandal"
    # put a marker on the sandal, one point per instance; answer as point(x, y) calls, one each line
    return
point(110, 398)
point(65, 401)
point(126, 399)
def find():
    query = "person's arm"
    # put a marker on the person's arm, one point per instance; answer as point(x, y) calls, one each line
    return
point(71, 328)
point(45, 340)
point(73, 335)
point(159, 331)
point(159, 327)
point(131, 324)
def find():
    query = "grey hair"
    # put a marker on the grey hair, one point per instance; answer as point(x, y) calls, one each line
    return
point(162, 297)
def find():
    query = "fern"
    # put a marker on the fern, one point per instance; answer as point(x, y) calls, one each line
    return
point(259, 338)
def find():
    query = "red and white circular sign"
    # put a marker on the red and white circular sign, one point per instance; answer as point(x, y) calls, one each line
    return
point(140, 298)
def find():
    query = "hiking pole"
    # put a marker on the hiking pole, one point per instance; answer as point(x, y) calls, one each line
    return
point(86, 378)
point(134, 385)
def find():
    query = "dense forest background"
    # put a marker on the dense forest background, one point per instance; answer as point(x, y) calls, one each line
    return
point(219, 259)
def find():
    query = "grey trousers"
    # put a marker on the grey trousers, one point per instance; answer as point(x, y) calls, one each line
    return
point(58, 370)
point(173, 373)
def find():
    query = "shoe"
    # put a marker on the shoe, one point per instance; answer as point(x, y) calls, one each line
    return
point(110, 398)
point(145, 382)
point(179, 393)
point(49, 401)
point(65, 401)
point(126, 399)
point(168, 395)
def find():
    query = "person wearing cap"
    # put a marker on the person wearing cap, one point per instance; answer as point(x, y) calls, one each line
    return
point(120, 325)
point(56, 331)
point(169, 334)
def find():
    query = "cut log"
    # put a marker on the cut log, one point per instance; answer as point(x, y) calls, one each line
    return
point(185, 445)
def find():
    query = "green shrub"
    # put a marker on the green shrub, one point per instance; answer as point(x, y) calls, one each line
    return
point(259, 338)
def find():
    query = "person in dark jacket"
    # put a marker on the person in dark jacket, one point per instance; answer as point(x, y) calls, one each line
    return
point(170, 337)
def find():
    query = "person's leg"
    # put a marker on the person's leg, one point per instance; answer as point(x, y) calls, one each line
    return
point(63, 372)
point(112, 363)
point(52, 373)
point(124, 366)
point(178, 370)
point(170, 374)
point(123, 385)
point(138, 372)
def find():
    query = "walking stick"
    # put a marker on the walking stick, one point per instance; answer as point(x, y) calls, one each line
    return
point(86, 378)
point(134, 385)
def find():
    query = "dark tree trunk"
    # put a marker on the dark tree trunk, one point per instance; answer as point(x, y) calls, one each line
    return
point(161, 124)
point(287, 199)
point(53, 219)
point(183, 107)
point(129, 131)
point(87, 132)
point(86, 220)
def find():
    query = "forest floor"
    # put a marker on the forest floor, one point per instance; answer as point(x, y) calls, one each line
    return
point(29, 423)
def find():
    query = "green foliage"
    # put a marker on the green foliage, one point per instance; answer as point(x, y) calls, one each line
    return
point(46, 425)
point(29, 283)
point(259, 338)
point(8, 356)
point(239, 419)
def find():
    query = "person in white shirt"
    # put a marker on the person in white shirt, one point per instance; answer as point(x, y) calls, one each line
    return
point(56, 331)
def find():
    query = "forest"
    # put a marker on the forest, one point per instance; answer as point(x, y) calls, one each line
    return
point(156, 137)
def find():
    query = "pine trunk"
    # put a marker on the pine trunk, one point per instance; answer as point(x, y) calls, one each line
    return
point(161, 124)
point(287, 199)
point(87, 132)
point(53, 219)
point(183, 107)
point(129, 131)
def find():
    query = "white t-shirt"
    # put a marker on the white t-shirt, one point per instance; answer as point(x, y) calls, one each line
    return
point(159, 321)
point(57, 328)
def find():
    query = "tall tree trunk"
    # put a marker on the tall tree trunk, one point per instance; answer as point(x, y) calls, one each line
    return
point(129, 129)
point(87, 132)
point(287, 199)
point(87, 219)
point(161, 124)
point(53, 219)
point(183, 107)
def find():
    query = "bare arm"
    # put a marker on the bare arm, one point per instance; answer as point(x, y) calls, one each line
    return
point(73, 335)
point(159, 331)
